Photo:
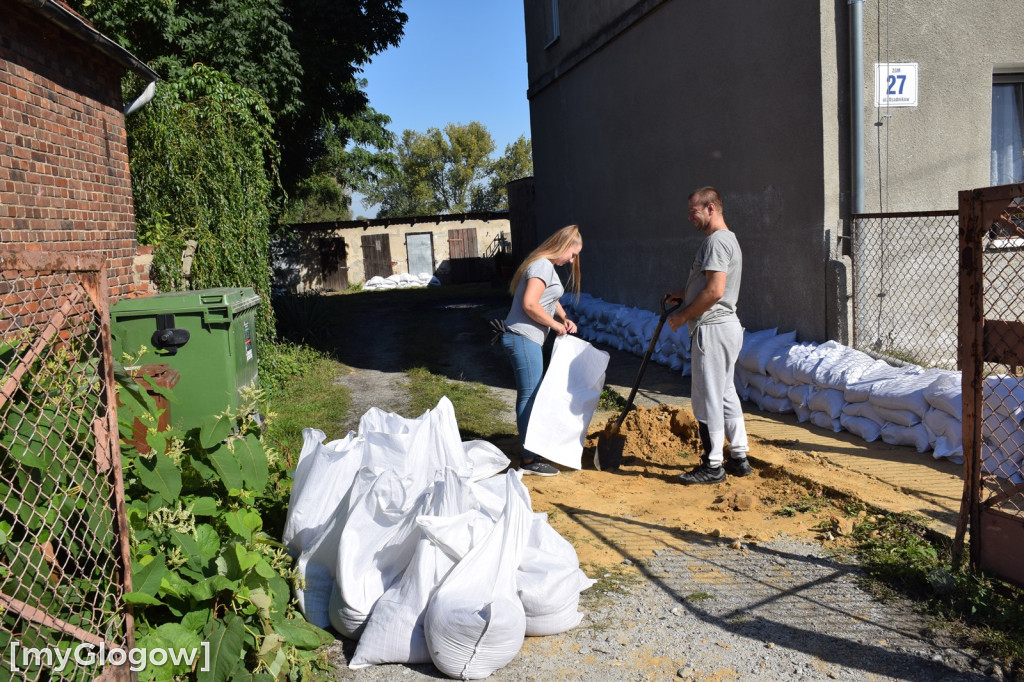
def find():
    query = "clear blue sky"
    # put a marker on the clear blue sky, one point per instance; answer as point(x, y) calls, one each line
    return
point(459, 61)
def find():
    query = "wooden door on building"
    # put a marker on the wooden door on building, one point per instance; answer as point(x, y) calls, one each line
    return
point(376, 256)
point(462, 243)
point(464, 258)
point(333, 264)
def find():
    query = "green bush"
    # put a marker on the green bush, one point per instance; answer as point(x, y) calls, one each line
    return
point(204, 569)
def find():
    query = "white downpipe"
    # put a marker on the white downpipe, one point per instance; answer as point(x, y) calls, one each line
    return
point(142, 100)
point(857, 103)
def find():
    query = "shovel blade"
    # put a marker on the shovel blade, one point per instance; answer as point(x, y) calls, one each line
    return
point(608, 453)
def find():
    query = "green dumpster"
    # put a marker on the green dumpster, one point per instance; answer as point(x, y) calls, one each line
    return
point(207, 335)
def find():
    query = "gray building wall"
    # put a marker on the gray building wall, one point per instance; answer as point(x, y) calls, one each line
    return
point(637, 103)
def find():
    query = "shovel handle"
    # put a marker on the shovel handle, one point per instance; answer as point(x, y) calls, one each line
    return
point(665, 312)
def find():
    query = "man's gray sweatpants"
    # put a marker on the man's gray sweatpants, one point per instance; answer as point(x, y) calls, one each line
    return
point(713, 353)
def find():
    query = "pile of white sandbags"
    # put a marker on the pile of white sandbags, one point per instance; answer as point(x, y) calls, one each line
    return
point(839, 388)
point(409, 541)
point(628, 329)
point(834, 386)
point(401, 281)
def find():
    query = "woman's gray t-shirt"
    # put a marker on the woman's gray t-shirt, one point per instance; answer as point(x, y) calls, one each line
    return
point(521, 323)
point(720, 251)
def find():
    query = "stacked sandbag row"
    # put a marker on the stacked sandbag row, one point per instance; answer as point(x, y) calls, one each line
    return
point(629, 329)
point(839, 388)
point(409, 541)
point(402, 280)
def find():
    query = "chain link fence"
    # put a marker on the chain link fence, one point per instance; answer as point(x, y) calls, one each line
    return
point(905, 268)
point(63, 543)
point(992, 358)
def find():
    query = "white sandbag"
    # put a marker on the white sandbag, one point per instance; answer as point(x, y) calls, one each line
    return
point(799, 394)
point(783, 364)
point(901, 417)
point(565, 401)
point(776, 405)
point(865, 410)
point(375, 546)
point(945, 448)
point(1002, 463)
point(757, 381)
point(914, 436)
point(838, 369)
point(394, 629)
point(825, 421)
point(776, 389)
point(865, 428)
point(475, 622)
point(905, 392)
point(742, 388)
point(549, 581)
point(827, 400)
point(805, 365)
point(945, 394)
point(1002, 431)
point(486, 459)
point(879, 372)
point(322, 477)
point(944, 425)
point(756, 345)
point(771, 349)
point(1004, 395)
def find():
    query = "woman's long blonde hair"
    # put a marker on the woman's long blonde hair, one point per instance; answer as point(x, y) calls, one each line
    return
point(553, 247)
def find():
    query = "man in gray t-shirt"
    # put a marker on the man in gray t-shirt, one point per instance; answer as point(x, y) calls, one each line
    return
point(716, 337)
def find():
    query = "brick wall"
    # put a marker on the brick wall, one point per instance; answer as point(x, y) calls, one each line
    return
point(64, 182)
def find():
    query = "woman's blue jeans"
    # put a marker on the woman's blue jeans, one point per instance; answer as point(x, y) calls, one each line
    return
point(527, 359)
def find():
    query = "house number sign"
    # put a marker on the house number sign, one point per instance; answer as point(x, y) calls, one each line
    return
point(896, 85)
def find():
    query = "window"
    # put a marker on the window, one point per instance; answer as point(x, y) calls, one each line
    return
point(1007, 129)
point(551, 21)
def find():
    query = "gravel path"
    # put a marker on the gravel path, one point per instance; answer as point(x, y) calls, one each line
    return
point(778, 611)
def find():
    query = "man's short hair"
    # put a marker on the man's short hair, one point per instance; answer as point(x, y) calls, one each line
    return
point(707, 195)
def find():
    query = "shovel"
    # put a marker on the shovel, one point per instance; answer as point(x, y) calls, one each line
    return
point(608, 453)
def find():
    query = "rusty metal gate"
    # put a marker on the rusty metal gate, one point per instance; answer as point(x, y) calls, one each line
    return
point(991, 356)
point(376, 256)
point(64, 562)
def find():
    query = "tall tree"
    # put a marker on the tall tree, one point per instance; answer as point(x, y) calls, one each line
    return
point(449, 171)
point(301, 56)
point(516, 163)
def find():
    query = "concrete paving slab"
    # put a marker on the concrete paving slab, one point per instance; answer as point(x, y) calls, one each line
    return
point(888, 477)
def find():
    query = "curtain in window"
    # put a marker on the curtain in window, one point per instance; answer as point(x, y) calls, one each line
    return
point(1007, 133)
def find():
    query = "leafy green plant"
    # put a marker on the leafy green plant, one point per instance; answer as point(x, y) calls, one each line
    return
point(204, 170)
point(204, 569)
point(610, 400)
point(900, 557)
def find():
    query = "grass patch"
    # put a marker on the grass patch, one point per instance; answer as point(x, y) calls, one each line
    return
point(697, 597)
point(900, 558)
point(478, 412)
point(312, 399)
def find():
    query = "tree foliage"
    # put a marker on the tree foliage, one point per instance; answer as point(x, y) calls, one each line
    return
point(449, 171)
point(203, 170)
point(301, 56)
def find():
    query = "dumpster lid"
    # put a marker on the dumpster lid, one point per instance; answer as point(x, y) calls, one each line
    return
point(235, 299)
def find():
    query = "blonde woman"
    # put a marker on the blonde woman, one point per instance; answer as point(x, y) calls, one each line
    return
point(535, 311)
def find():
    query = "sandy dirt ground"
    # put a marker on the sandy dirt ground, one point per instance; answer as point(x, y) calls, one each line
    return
point(630, 514)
